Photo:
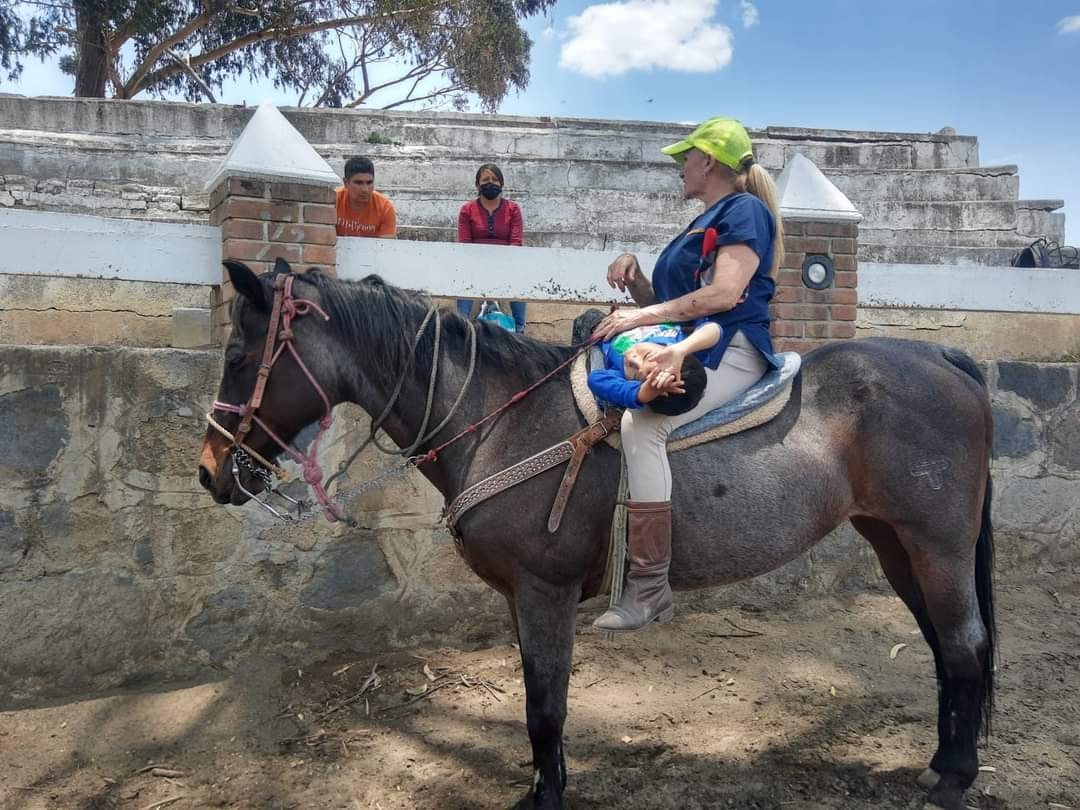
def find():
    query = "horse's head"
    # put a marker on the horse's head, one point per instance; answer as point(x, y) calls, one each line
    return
point(263, 402)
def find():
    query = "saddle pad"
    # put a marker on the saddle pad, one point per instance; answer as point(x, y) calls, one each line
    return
point(755, 406)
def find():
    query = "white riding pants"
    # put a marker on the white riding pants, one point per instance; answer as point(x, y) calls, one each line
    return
point(645, 432)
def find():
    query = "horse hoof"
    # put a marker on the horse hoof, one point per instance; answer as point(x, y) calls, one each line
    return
point(928, 780)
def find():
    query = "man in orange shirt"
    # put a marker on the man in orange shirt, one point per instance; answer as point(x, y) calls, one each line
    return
point(361, 210)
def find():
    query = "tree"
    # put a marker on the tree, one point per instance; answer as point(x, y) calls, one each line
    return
point(334, 53)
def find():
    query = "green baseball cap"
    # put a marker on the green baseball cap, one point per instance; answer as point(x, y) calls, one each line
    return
point(723, 138)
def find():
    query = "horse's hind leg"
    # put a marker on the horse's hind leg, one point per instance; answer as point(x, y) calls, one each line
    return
point(897, 567)
point(939, 590)
point(964, 669)
point(545, 625)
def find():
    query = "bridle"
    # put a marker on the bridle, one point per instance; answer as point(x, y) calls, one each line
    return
point(285, 309)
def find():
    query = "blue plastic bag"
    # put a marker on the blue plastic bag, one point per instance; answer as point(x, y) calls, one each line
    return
point(489, 311)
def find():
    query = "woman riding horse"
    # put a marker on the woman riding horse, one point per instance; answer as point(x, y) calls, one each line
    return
point(732, 289)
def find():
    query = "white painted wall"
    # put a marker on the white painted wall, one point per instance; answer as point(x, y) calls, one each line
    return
point(969, 287)
point(52, 244)
point(485, 271)
point(39, 243)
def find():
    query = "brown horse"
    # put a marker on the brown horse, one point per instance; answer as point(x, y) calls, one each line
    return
point(892, 435)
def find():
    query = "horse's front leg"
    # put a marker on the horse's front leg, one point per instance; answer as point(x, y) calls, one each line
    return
point(545, 624)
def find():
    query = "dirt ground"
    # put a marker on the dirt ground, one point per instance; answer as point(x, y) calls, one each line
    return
point(793, 709)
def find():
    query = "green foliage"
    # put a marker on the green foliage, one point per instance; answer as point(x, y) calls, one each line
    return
point(378, 138)
point(328, 51)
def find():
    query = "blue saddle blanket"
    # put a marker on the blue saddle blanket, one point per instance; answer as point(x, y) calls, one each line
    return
point(764, 390)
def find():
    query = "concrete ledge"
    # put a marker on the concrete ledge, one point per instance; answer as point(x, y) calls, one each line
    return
point(986, 336)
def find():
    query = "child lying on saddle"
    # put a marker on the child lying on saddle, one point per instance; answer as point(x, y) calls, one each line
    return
point(632, 377)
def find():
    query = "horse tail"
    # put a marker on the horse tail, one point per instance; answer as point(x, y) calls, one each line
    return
point(984, 590)
point(984, 560)
point(964, 362)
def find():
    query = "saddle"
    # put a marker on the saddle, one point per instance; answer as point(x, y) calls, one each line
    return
point(755, 406)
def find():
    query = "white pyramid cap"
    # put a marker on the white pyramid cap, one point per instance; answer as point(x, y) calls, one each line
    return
point(272, 148)
point(805, 193)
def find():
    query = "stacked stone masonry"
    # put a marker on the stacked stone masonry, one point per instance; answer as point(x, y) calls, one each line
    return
point(582, 183)
point(804, 319)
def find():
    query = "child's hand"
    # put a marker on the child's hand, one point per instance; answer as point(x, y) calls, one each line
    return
point(666, 358)
point(659, 383)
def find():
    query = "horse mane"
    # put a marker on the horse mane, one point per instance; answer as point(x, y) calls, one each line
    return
point(379, 321)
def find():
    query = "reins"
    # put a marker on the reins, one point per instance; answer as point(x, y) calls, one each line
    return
point(285, 309)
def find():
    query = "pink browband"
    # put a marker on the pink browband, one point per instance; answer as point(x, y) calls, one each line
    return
point(285, 309)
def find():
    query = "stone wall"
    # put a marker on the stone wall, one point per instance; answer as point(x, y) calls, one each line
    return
point(97, 312)
point(115, 568)
point(582, 183)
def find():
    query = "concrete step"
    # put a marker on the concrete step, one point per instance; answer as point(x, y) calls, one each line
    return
point(981, 184)
point(618, 210)
point(1032, 223)
point(954, 216)
point(936, 254)
point(943, 238)
point(184, 164)
point(1037, 219)
point(578, 240)
point(383, 134)
point(591, 211)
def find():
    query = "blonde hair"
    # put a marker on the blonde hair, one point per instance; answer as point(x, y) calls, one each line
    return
point(760, 183)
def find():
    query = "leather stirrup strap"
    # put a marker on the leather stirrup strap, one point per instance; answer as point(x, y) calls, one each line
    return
point(582, 442)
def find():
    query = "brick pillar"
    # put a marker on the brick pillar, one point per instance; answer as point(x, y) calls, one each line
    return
point(805, 318)
point(262, 220)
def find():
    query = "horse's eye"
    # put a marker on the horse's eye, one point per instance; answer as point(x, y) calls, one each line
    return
point(234, 361)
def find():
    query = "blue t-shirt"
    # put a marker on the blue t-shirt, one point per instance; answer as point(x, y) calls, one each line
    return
point(739, 218)
point(610, 384)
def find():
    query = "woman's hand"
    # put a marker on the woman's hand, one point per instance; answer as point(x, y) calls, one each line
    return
point(621, 320)
point(625, 272)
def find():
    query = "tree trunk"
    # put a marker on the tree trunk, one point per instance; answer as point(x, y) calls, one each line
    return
point(92, 67)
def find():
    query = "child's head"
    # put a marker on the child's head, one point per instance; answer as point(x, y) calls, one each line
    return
point(694, 381)
point(636, 367)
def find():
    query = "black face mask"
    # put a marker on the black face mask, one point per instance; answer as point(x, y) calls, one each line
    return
point(490, 190)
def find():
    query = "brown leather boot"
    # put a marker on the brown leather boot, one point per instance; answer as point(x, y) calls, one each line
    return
point(646, 596)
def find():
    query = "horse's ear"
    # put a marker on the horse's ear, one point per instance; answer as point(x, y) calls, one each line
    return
point(281, 266)
point(247, 284)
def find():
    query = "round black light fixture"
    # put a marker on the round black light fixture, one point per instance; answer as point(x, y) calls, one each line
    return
point(817, 271)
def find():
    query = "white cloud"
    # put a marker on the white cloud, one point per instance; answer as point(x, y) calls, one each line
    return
point(609, 39)
point(750, 16)
point(548, 33)
point(1069, 25)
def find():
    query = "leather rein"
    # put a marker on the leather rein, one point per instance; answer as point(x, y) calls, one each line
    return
point(285, 309)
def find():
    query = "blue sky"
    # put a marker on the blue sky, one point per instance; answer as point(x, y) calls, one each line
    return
point(1008, 73)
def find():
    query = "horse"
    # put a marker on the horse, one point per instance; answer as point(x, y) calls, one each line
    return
point(892, 435)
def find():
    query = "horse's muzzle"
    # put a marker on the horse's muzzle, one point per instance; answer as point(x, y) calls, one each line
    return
point(221, 493)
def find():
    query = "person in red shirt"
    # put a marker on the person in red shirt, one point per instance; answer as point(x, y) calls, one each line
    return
point(491, 219)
